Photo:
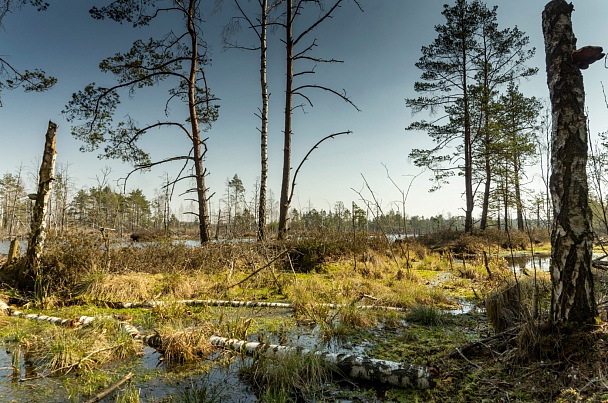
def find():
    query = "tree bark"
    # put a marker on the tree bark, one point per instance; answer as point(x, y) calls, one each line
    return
point(468, 144)
point(14, 251)
point(519, 204)
point(45, 180)
point(572, 297)
point(485, 207)
point(285, 183)
point(368, 369)
point(197, 142)
point(264, 128)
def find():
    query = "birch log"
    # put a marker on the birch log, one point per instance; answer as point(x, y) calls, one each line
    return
point(369, 369)
point(237, 304)
point(45, 179)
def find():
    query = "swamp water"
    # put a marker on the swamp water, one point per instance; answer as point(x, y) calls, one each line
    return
point(156, 382)
point(529, 262)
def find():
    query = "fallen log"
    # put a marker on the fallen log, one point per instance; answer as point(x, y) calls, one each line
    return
point(153, 340)
point(82, 321)
point(238, 304)
point(369, 369)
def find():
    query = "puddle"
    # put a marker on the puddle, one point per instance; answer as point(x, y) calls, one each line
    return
point(529, 262)
point(222, 383)
point(180, 383)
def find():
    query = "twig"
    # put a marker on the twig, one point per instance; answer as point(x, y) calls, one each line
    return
point(111, 389)
point(466, 359)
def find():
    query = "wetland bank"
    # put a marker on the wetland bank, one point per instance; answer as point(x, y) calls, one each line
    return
point(152, 309)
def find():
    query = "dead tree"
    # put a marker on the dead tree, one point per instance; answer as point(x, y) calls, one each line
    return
point(260, 26)
point(294, 9)
point(45, 181)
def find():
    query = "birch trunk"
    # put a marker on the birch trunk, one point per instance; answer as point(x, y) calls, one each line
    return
point(572, 297)
point(45, 181)
point(367, 369)
point(264, 128)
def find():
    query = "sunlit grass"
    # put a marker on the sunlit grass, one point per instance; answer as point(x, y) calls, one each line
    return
point(289, 377)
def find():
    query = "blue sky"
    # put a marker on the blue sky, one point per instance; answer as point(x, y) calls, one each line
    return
point(379, 47)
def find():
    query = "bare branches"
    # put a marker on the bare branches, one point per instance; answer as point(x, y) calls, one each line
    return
point(321, 87)
point(295, 175)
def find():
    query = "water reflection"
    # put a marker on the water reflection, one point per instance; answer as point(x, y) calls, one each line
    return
point(540, 262)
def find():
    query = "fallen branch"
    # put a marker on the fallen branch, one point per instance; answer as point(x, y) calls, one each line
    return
point(98, 397)
point(368, 369)
point(502, 337)
point(466, 359)
point(259, 270)
point(600, 264)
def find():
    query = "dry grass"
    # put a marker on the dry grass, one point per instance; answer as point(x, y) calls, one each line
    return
point(128, 287)
point(182, 343)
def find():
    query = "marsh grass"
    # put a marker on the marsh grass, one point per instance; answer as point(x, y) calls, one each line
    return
point(130, 395)
point(182, 343)
point(289, 377)
point(126, 287)
point(236, 326)
point(309, 271)
point(57, 350)
point(425, 315)
point(205, 392)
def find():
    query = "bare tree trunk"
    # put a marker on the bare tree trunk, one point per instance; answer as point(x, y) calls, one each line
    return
point(45, 180)
point(264, 128)
point(572, 297)
point(284, 203)
point(201, 189)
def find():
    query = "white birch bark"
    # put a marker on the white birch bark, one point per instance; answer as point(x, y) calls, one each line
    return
point(368, 369)
point(572, 297)
point(45, 180)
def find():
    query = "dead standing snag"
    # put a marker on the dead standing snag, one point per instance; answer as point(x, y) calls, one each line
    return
point(45, 181)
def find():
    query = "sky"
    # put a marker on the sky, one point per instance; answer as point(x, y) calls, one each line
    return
point(379, 47)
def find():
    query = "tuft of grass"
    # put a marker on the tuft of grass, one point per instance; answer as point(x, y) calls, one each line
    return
point(181, 343)
point(354, 318)
point(130, 395)
point(425, 315)
point(289, 377)
point(57, 350)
